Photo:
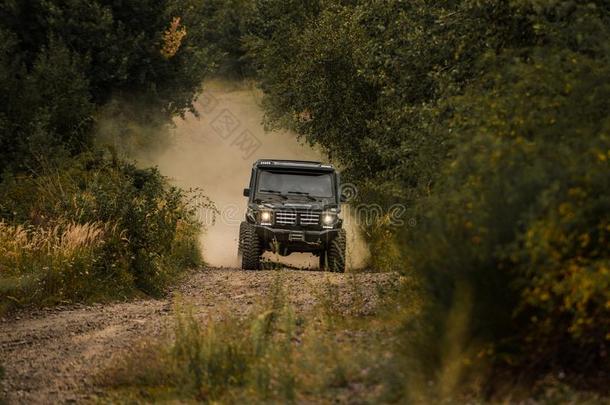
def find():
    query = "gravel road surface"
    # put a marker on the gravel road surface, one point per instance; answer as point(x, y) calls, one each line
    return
point(51, 355)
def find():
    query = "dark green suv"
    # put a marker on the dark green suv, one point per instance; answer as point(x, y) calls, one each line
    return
point(293, 206)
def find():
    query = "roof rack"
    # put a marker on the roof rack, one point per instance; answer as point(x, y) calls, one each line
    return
point(291, 163)
point(280, 161)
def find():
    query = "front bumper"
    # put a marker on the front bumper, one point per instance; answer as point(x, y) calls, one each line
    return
point(296, 240)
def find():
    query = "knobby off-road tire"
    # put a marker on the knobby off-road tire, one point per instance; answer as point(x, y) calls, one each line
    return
point(335, 255)
point(250, 247)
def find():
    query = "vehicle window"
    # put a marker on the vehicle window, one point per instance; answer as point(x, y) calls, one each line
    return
point(315, 184)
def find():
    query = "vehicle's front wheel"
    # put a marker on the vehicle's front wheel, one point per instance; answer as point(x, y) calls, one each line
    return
point(334, 259)
point(322, 259)
point(249, 247)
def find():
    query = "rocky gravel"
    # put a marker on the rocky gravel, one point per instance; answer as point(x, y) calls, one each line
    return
point(52, 355)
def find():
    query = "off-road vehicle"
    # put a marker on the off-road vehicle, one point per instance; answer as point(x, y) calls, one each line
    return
point(293, 206)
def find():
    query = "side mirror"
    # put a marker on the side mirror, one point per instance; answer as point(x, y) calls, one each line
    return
point(246, 192)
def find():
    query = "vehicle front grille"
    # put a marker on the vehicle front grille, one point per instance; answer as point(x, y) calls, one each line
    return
point(285, 217)
point(309, 218)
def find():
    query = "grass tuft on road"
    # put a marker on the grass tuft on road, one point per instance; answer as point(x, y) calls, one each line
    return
point(272, 355)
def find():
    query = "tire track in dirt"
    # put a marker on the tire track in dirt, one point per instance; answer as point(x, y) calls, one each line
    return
point(50, 356)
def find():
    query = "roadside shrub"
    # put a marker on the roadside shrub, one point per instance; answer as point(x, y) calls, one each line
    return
point(72, 73)
point(92, 226)
point(59, 263)
point(521, 214)
point(488, 119)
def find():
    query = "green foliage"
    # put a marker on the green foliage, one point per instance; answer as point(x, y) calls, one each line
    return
point(46, 110)
point(362, 81)
point(72, 71)
point(59, 263)
point(122, 43)
point(63, 59)
point(522, 200)
point(489, 120)
point(139, 232)
point(222, 25)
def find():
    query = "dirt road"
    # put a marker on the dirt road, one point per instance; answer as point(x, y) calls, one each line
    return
point(50, 356)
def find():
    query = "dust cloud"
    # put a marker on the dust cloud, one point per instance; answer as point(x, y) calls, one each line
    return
point(215, 152)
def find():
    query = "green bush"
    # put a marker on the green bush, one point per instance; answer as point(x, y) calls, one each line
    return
point(488, 119)
point(527, 209)
point(62, 262)
point(46, 111)
point(142, 231)
point(222, 25)
point(74, 75)
point(143, 61)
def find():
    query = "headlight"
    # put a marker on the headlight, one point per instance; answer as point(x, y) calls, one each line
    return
point(266, 217)
point(328, 219)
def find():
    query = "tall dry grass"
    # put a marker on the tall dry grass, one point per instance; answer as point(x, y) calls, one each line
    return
point(94, 228)
point(64, 237)
point(51, 264)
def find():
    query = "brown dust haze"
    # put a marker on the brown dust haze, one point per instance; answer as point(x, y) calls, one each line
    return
point(215, 152)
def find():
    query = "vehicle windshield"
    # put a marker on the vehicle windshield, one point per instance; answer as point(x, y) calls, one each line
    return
point(311, 184)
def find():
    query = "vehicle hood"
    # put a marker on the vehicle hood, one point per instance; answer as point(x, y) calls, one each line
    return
point(298, 203)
